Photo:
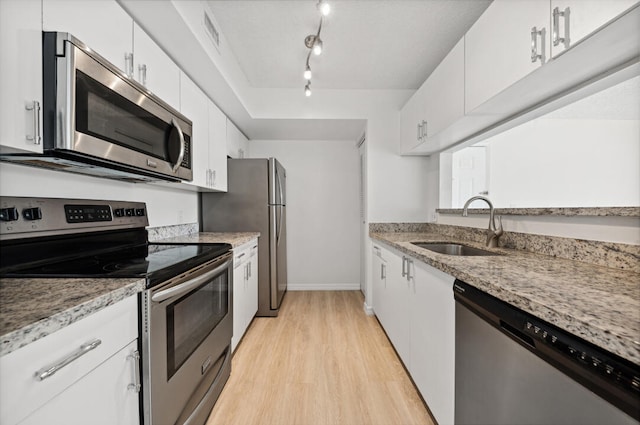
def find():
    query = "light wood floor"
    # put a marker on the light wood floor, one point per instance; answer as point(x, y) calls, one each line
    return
point(321, 361)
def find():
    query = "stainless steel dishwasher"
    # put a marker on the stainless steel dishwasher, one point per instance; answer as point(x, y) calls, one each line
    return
point(513, 368)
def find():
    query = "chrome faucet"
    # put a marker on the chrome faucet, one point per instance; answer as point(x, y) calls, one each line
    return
point(493, 232)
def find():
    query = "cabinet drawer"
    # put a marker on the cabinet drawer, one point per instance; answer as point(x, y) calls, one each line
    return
point(115, 326)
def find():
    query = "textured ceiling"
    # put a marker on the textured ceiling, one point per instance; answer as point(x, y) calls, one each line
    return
point(368, 44)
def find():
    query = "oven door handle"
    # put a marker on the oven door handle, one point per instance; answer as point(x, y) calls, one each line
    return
point(187, 286)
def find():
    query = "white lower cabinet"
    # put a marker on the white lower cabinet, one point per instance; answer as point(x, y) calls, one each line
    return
point(97, 387)
point(432, 322)
point(414, 303)
point(245, 289)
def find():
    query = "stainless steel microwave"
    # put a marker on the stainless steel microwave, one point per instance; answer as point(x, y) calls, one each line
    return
point(98, 121)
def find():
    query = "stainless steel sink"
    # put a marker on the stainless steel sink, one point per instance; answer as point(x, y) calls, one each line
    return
point(453, 249)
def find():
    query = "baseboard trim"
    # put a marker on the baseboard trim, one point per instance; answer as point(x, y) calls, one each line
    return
point(368, 310)
point(323, 286)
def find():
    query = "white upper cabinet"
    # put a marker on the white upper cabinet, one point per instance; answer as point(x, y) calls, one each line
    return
point(21, 75)
point(573, 20)
point(194, 104)
point(412, 119)
point(437, 104)
point(444, 92)
point(237, 143)
point(154, 69)
point(500, 47)
point(208, 142)
point(101, 24)
point(217, 148)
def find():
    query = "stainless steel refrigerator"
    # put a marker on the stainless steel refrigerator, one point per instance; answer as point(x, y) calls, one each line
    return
point(255, 201)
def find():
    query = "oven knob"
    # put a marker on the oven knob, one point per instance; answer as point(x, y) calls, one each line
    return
point(118, 212)
point(140, 212)
point(9, 214)
point(130, 212)
point(32, 213)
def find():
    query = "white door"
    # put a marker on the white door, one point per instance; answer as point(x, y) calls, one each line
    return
point(468, 175)
point(364, 233)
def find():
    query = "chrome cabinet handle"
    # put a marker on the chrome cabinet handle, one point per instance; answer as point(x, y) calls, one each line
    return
point(35, 107)
point(404, 261)
point(383, 271)
point(409, 264)
point(213, 178)
point(249, 268)
point(135, 386)
point(534, 44)
point(48, 371)
point(142, 74)
point(419, 137)
point(556, 27)
point(424, 129)
point(128, 64)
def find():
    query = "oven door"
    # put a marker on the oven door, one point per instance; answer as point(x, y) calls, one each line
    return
point(186, 336)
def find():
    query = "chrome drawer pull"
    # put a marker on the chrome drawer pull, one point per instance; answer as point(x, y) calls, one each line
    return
point(46, 372)
point(135, 386)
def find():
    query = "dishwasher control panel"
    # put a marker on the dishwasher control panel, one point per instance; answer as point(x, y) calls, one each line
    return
point(610, 368)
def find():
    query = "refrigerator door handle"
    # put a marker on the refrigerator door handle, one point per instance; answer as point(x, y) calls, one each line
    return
point(281, 200)
point(279, 226)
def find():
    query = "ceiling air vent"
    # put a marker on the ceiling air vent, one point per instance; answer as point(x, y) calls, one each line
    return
point(211, 30)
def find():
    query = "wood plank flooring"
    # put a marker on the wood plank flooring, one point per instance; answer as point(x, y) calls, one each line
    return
point(322, 361)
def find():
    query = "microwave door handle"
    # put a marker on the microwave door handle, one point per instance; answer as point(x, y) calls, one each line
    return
point(181, 135)
point(187, 286)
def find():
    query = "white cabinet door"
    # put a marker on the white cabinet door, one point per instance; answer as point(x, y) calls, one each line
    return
point(412, 117)
point(101, 24)
point(217, 148)
point(432, 321)
point(252, 284)
point(194, 105)
point(498, 47)
point(581, 18)
point(237, 143)
point(444, 92)
point(154, 69)
point(21, 75)
point(379, 278)
point(398, 298)
point(101, 397)
point(239, 297)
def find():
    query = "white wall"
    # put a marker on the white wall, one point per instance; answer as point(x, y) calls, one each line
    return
point(566, 163)
point(166, 206)
point(323, 245)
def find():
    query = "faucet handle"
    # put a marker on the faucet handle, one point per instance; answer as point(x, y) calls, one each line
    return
point(499, 230)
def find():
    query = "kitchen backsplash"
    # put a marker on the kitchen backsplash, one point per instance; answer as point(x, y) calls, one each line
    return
point(608, 254)
point(163, 232)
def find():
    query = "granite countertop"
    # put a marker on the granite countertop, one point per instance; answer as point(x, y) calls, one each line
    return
point(599, 304)
point(236, 239)
point(34, 308)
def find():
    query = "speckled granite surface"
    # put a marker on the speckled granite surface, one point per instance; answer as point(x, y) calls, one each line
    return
point(34, 308)
point(599, 304)
point(608, 254)
point(163, 232)
point(593, 212)
point(234, 238)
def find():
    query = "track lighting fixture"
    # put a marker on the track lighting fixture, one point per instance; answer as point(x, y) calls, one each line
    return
point(313, 42)
point(324, 7)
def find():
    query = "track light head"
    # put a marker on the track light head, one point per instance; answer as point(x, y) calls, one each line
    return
point(324, 7)
point(307, 90)
point(307, 73)
point(317, 46)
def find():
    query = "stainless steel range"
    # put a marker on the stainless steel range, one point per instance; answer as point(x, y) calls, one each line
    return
point(185, 312)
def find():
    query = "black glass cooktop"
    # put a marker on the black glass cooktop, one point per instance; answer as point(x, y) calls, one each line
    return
point(155, 262)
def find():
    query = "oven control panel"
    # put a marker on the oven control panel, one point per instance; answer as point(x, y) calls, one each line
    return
point(22, 217)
